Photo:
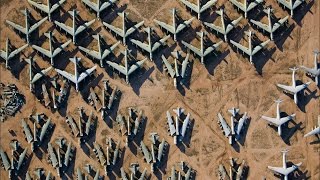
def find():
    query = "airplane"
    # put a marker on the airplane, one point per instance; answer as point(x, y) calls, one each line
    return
point(68, 155)
point(197, 8)
point(174, 28)
point(234, 111)
point(126, 70)
point(315, 131)
point(98, 7)
point(294, 89)
point(284, 170)
point(44, 129)
point(7, 54)
point(76, 78)
point(27, 30)
point(150, 47)
point(146, 153)
point(73, 125)
point(5, 160)
point(49, 8)
point(270, 27)
point(98, 151)
point(52, 155)
point(290, 4)
point(223, 29)
point(245, 7)
point(125, 31)
point(202, 51)
point(315, 71)
point(249, 50)
point(278, 121)
point(100, 54)
point(27, 131)
point(34, 78)
point(173, 71)
point(74, 30)
point(21, 158)
point(51, 53)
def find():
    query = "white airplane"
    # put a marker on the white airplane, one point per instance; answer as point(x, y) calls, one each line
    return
point(99, 6)
point(202, 52)
point(174, 28)
point(27, 30)
point(76, 78)
point(100, 54)
point(270, 27)
point(49, 8)
point(125, 31)
point(74, 30)
point(284, 170)
point(245, 7)
point(7, 54)
point(150, 47)
point(223, 29)
point(294, 89)
point(51, 53)
point(315, 71)
point(290, 4)
point(278, 121)
point(315, 131)
point(197, 7)
point(126, 70)
point(249, 50)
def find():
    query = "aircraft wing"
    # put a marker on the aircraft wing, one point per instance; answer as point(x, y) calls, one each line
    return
point(261, 25)
point(39, 75)
point(36, 25)
point(271, 120)
point(185, 125)
point(312, 71)
point(142, 45)
point(241, 47)
point(233, 24)
point(107, 4)
point(169, 67)
point(279, 23)
point(165, 26)
point(40, 6)
point(161, 42)
point(286, 88)
point(241, 123)
point(212, 48)
point(286, 119)
point(260, 46)
point(90, 52)
point(21, 158)
point(284, 171)
point(17, 27)
point(55, 6)
point(59, 49)
point(118, 67)
point(215, 27)
point(136, 66)
point(297, 3)
point(172, 129)
point(42, 50)
point(192, 48)
point(114, 29)
point(184, 66)
point(207, 5)
point(301, 87)
point(225, 127)
point(190, 5)
point(184, 24)
point(92, 5)
point(17, 51)
point(285, 3)
point(66, 28)
point(238, 4)
point(86, 73)
point(3, 54)
point(108, 51)
point(67, 75)
point(313, 132)
point(84, 26)
point(254, 4)
point(135, 27)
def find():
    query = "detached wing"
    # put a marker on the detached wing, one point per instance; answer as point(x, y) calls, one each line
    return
point(84, 26)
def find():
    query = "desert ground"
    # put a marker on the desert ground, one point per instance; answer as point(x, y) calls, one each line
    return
point(224, 81)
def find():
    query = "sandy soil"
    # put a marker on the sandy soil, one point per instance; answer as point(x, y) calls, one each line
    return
point(225, 81)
